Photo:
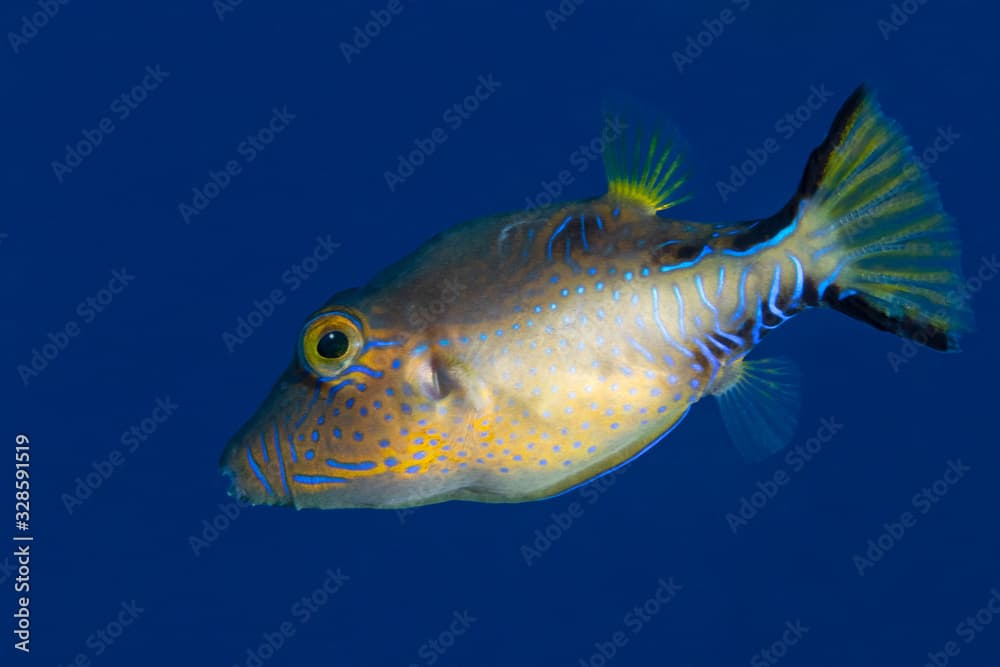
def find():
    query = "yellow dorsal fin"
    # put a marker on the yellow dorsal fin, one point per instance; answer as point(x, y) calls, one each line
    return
point(643, 164)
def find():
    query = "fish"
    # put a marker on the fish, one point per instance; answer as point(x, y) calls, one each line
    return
point(515, 357)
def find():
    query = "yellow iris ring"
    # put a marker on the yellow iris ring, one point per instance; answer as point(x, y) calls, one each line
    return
point(319, 327)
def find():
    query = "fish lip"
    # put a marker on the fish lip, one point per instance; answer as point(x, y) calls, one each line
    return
point(238, 489)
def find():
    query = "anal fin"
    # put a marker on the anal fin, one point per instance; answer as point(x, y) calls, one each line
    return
point(760, 403)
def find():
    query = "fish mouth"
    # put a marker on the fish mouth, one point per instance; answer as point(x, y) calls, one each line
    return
point(249, 481)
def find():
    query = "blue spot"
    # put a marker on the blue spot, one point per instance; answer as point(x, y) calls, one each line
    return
point(388, 417)
point(391, 461)
point(564, 292)
point(580, 290)
point(412, 469)
point(405, 407)
point(567, 462)
point(517, 457)
point(615, 425)
point(337, 433)
point(591, 449)
point(599, 286)
point(443, 342)
point(383, 443)
point(364, 412)
point(395, 363)
point(320, 420)
point(359, 436)
point(310, 455)
point(349, 404)
point(418, 441)
point(645, 271)
point(483, 336)
point(315, 436)
point(538, 309)
point(628, 275)
point(695, 383)
point(663, 408)
point(612, 271)
point(390, 392)
point(591, 271)
point(555, 279)
point(465, 339)
point(377, 404)
point(516, 327)
point(499, 332)
point(504, 470)
point(543, 462)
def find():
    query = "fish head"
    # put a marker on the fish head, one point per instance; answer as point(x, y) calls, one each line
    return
point(356, 419)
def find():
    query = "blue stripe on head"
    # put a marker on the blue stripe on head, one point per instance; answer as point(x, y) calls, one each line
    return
point(319, 479)
point(257, 472)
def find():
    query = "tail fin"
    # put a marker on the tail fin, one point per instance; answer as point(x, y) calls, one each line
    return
point(884, 251)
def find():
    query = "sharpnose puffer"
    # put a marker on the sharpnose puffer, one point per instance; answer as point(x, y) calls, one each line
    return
point(514, 357)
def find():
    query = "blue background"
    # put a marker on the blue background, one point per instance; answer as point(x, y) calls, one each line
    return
point(408, 574)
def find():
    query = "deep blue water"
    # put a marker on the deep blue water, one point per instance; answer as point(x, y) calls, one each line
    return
point(458, 584)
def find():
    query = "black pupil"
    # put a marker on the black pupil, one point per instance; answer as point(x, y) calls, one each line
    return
point(333, 345)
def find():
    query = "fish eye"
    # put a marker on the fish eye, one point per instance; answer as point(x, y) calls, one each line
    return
point(329, 343)
point(333, 345)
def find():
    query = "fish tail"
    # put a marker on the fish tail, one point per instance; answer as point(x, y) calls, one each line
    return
point(881, 248)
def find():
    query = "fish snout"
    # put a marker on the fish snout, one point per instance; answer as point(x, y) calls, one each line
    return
point(254, 473)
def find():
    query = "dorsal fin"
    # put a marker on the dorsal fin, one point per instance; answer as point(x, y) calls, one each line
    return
point(643, 162)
